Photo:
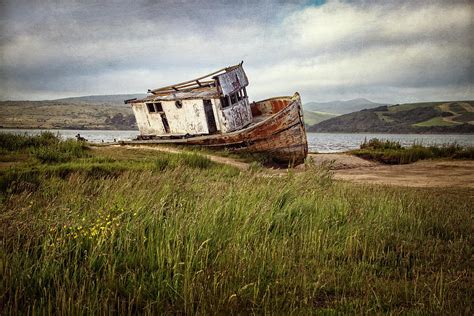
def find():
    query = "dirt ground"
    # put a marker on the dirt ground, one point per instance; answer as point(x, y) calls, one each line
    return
point(426, 173)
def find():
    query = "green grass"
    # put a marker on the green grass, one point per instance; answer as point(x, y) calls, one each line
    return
point(259, 158)
point(45, 147)
point(436, 121)
point(411, 106)
point(391, 152)
point(124, 231)
point(384, 118)
point(315, 117)
point(16, 142)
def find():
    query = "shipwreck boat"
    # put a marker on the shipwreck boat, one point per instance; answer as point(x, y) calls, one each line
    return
point(214, 111)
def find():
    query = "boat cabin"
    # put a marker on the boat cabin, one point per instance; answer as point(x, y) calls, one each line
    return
point(213, 104)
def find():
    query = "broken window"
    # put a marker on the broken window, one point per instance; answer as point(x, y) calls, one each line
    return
point(154, 107)
point(158, 107)
point(240, 95)
point(151, 108)
point(233, 98)
point(224, 102)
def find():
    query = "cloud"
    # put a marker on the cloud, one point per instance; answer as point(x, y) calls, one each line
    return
point(338, 50)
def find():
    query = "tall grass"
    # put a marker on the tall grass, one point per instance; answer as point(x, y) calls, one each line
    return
point(391, 152)
point(61, 151)
point(196, 237)
point(46, 147)
point(15, 142)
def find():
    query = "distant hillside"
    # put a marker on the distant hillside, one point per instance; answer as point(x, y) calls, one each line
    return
point(432, 117)
point(87, 112)
point(341, 107)
point(66, 115)
point(313, 117)
point(96, 99)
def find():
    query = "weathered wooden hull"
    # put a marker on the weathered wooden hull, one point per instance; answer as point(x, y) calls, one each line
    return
point(278, 131)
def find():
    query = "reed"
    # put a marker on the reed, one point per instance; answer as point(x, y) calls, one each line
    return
point(15, 142)
point(391, 152)
point(191, 236)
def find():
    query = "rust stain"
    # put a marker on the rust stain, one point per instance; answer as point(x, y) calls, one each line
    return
point(273, 126)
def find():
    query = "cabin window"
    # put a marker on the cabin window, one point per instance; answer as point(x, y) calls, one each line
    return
point(158, 107)
point(240, 95)
point(233, 98)
point(224, 102)
point(179, 104)
point(150, 107)
point(154, 107)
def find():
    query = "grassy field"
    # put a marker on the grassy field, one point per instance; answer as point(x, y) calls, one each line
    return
point(314, 117)
point(111, 230)
point(436, 121)
point(411, 106)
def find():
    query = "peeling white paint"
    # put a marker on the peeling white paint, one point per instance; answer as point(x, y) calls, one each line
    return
point(236, 116)
point(189, 119)
point(232, 81)
point(148, 123)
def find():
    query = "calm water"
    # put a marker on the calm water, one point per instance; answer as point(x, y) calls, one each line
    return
point(337, 142)
point(320, 142)
point(96, 136)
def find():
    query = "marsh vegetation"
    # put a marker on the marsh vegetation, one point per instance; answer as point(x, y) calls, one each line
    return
point(112, 230)
point(392, 152)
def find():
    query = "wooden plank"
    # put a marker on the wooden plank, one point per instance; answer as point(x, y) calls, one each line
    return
point(193, 80)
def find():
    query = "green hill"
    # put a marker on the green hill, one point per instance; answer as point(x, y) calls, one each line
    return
point(108, 99)
point(66, 115)
point(429, 117)
point(341, 107)
point(315, 117)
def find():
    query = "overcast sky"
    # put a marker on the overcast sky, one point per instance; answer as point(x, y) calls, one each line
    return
point(393, 51)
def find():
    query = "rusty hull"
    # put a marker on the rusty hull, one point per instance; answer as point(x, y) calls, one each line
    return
point(277, 130)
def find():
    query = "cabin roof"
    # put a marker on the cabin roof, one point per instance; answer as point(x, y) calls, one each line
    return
point(200, 88)
point(198, 93)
